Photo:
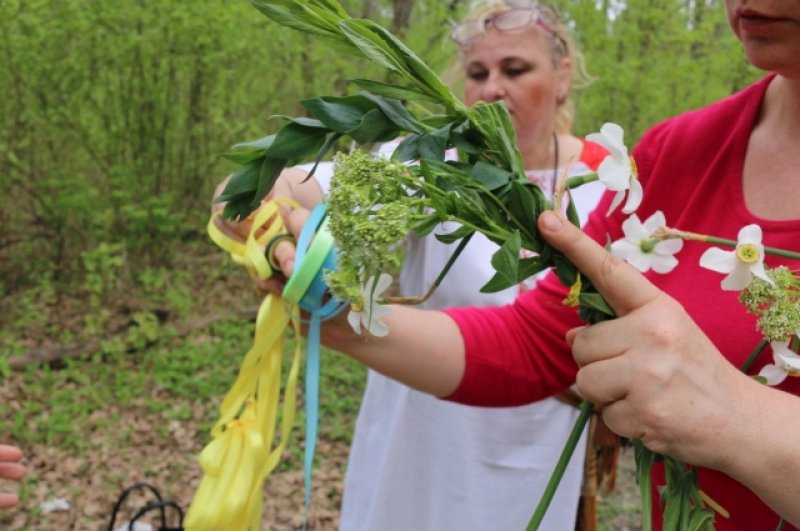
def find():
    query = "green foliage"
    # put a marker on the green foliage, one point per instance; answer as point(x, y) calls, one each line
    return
point(59, 407)
point(652, 59)
point(115, 115)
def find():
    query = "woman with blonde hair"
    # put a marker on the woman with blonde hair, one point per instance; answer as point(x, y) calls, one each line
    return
point(419, 463)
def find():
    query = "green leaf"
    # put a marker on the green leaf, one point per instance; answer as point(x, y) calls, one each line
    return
point(596, 302)
point(506, 262)
point(374, 127)
point(397, 113)
point(295, 142)
point(644, 459)
point(529, 267)
point(408, 149)
point(491, 176)
point(426, 226)
point(242, 157)
point(455, 235)
point(572, 212)
point(433, 145)
point(339, 114)
point(286, 16)
point(329, 143)
point(243, 181)
point(270, 170)
point(369, 45)
point(301, 120)
point(414, 67)
point(260, 144)
point(392, 91)
point(522, 205)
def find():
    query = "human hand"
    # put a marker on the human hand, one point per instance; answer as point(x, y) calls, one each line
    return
point(652, 371)
point(10, 469)
point(294, 188)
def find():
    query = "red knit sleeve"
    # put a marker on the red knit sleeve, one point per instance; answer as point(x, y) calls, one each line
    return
point(593, 154)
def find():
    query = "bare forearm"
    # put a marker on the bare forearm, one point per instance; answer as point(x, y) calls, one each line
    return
point(424, 349)
point(766, 457)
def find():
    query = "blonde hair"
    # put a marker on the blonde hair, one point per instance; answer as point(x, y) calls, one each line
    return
point(561, 46)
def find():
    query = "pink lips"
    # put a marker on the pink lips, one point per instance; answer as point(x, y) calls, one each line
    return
point(754, 23)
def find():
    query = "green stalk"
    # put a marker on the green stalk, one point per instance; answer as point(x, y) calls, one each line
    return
point(754, 355)
point(667, 232)
point(580, 180)
point(420, 299)
point(586, 410)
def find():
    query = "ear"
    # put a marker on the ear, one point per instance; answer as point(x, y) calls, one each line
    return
point(563, 80)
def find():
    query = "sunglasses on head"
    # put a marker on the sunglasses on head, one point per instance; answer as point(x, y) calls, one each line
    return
point(507, 21)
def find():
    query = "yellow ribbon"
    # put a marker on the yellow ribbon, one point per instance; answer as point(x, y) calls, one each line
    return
point(238, 459)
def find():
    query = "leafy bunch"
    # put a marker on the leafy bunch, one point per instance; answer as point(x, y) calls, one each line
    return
point(485, 191)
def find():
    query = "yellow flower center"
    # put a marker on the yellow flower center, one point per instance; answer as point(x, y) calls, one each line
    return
point(634, 169)
point(573, 297)
point(747, 253)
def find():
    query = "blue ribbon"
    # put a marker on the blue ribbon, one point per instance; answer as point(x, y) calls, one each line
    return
point(312, 301)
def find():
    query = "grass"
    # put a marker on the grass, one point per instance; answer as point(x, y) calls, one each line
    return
point(154, 380)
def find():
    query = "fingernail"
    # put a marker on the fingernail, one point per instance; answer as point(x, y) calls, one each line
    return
point(551, 221)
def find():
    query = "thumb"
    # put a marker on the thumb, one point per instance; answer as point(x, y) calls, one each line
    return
point(621, 285)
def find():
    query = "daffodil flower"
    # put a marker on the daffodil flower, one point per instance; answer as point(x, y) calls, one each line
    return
point(618, 170)
point(372, 312)
point(641, 250)
point(787, 363)
point(741, 264)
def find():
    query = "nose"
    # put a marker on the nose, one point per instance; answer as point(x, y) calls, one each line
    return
point(493, 89)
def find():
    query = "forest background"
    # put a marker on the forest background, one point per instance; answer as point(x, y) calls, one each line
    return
point(121, 325)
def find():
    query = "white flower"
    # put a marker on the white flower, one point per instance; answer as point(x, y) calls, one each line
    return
point(639, 249)
point(372, 313)
point(741, 263)
point(618, 170)
point(787, 363)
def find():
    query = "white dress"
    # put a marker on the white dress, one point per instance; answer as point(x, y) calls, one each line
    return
point(418, 463)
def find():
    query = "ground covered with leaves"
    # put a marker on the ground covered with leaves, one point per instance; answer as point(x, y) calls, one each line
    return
point(137, 403)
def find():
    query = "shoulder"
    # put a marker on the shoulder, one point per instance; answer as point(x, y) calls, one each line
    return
point(698, 128)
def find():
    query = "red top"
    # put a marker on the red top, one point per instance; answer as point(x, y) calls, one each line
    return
point(691, 169)
point(593, 154)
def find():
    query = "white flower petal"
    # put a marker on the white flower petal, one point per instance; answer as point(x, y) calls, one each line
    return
point(750, 234)
point(773, 374)
point(384, 282)
point(655, 222)
point(718, 260)
point(354, 318)
point(780, 348)
point(635, 195)
point(738, 279)
point(641, 261)
point(664, 264)
point(611, 138)
point(615, 175)
point(378, 328)
point(791, 362)
point(615, 202)
point(758, 270)
point(669, 247)
point(634, 230)
point(623, 248)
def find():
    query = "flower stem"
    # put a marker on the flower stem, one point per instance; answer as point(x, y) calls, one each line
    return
point(422, 298)
point(753, 355)
point(580, 180)
point(665, 233)
point(586, 411)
